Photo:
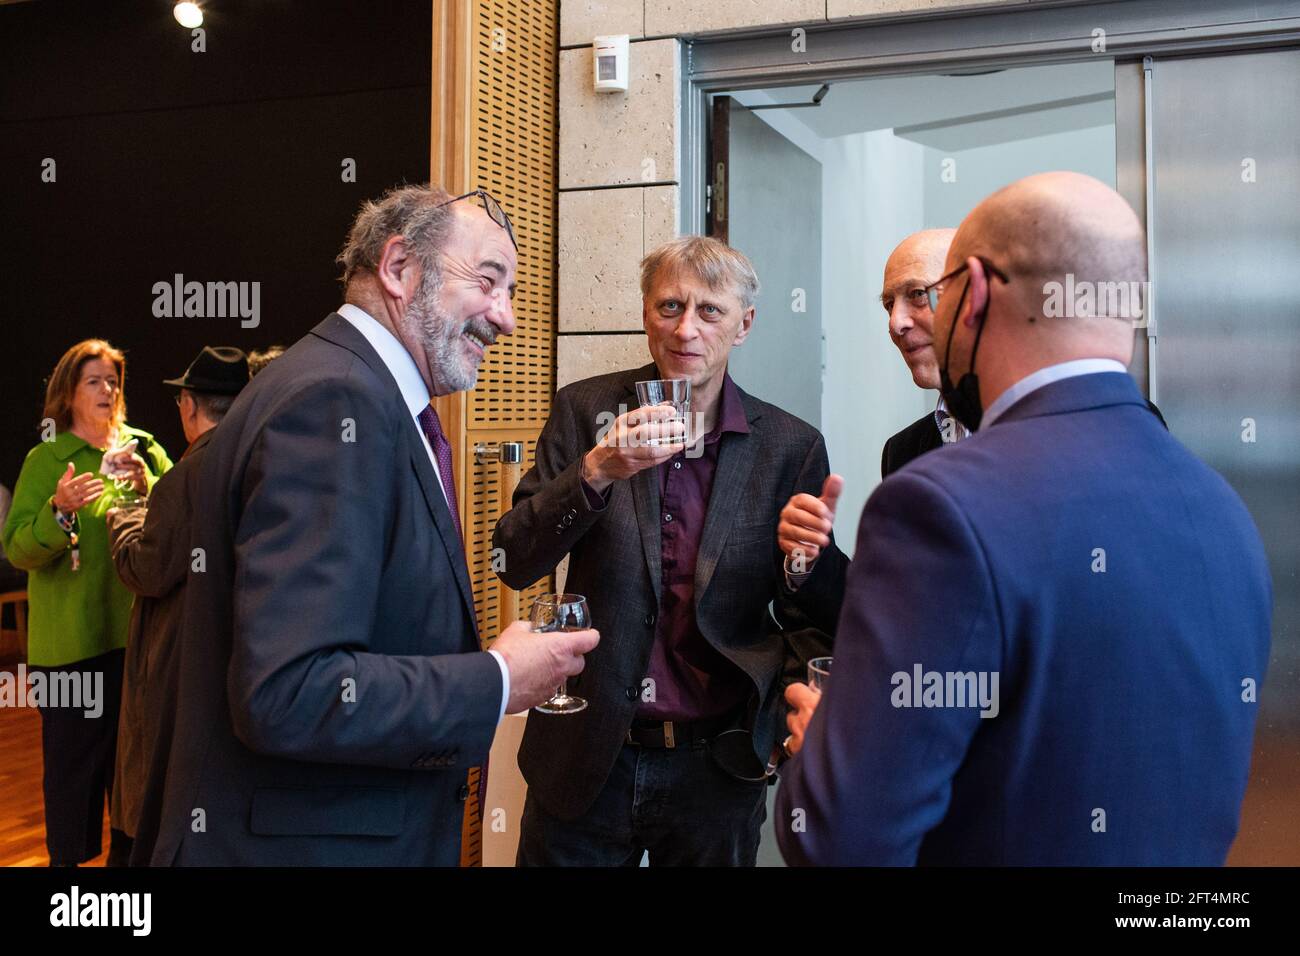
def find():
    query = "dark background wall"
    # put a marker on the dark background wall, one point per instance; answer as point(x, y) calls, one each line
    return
point(223, 166)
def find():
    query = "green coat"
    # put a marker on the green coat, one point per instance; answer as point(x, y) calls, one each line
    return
point(74, 615)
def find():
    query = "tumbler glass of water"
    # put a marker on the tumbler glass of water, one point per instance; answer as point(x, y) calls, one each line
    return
point(127, 498)
point(560, 612)
point(819, 671)
point(668, 391)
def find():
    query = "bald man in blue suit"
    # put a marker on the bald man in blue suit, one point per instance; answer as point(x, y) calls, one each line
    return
point(1053, 634)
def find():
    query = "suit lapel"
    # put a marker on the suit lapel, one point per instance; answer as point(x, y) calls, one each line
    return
point(341, 332)
point(645, 498)
point(930, 438)
point(645, 492)
point(730, 483)
point(438, 510)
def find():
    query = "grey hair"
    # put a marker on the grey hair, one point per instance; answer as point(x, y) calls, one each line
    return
point(415, 213)
point(709, 259)
point(212, 405)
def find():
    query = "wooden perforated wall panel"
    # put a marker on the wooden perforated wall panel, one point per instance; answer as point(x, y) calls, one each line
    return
point(495, 126)
point(513, 155)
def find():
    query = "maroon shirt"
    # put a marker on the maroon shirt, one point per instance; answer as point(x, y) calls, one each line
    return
point(692, 680)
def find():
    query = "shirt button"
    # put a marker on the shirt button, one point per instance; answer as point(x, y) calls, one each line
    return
point(463, 793)
point(650, 620)
point(668, 518)
point(677, 464)
point(632, 693)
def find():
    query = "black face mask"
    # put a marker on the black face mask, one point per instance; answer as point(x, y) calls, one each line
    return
point(963, 401)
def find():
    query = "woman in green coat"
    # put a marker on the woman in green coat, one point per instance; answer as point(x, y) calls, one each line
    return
point(79, 611)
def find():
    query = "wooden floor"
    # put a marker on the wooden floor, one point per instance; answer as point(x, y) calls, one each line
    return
point(1269, 834)
point(22, 806)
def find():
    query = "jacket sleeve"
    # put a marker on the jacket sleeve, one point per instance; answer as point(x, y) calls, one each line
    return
point(818, 598)
point(310, 537)
point(150, 548)
point(875, 775)
point(159, 463)
point(550, 512)
point(32, 537)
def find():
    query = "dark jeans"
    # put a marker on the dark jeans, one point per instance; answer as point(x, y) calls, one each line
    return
point(674, 803)
point(78, 753)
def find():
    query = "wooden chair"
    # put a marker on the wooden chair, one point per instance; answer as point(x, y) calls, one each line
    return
point(16, 634)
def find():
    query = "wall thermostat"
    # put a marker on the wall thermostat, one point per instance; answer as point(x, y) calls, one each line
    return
point(609, 59)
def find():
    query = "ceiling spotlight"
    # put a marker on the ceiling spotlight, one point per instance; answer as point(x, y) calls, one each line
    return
point(188, 14)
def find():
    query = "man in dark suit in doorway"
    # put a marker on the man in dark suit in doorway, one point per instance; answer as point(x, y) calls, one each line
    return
point(806, 520)
point(332, 690)
point(915, 263)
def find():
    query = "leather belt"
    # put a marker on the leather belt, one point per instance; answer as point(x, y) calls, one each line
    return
point(670, 734)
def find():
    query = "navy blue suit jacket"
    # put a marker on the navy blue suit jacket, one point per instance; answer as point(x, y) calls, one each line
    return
point(1123, 729)
point(331, 691)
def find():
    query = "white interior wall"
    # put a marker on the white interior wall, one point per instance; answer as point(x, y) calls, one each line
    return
point(873, 196)
point(985, 169)
point(779, 227)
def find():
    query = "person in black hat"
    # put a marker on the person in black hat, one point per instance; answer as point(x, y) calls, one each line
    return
point(152, 555)
point(208, 388)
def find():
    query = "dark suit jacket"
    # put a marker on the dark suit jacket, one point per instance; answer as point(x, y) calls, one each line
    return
point(615, 561)
point(912, 442)
point(332, 694)
point(1121, 736)
point(151, 551)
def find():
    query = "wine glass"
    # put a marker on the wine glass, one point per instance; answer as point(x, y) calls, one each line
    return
point(560, 612)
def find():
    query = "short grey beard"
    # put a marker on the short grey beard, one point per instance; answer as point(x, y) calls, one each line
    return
point(440, 336)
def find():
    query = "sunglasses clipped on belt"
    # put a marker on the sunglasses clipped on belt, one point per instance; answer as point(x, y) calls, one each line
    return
point(733, 751)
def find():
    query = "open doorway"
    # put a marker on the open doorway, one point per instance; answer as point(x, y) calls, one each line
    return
point(821, 182)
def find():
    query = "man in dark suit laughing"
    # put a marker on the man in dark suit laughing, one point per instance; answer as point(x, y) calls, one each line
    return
point(332, 689)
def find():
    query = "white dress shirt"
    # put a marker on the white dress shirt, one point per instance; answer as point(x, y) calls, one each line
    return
point(1046, 376)
point(956, 429)
point(416, 395)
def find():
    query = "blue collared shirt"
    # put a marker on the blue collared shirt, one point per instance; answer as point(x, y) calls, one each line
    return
point(1046, 376)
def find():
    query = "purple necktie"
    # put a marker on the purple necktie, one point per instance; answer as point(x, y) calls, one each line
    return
point(432, 428)
point(442, 452)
